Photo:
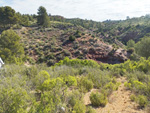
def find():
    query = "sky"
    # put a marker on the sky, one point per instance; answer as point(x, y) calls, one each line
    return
point(98, 10)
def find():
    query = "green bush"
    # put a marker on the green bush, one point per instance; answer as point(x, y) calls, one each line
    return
point(14, 97)
point(142, 101)
point(77, 62)
point(44, 74)
point(139, 87)
point(71, 81)
point(128, 85)
point(133, 97)
point(49, 103)
point(49, 84)
point(72, 101)
point(79, 107)
point(109, 88)
point(73, 97)
point(98, 99)
point(40, 78)
point(85, 84)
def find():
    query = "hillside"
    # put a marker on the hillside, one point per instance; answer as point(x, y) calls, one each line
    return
point(122, 30)
point(101, 41)
point(52, 44)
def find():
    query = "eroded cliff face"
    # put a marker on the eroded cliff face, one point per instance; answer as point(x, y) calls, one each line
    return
point(97, 50)
point(108, 55)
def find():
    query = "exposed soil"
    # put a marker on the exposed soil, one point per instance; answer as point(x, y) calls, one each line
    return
point(118, 102)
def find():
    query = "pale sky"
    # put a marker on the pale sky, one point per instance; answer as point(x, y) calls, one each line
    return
point(98, 10)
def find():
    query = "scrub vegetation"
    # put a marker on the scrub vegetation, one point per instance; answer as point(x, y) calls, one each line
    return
point(52, 63)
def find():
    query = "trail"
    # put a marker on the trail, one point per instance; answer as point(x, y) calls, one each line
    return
point(118, 102)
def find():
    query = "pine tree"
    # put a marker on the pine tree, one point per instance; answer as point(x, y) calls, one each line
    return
point(8, 16)
point(11, 50)
point(42, 18)
point(142, 47)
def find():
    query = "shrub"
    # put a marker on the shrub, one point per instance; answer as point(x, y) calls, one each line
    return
point(77, 34)
point(50, 62)
point(134, 56)
point(73, 97)
point(44, 74)
point(128, 85)
point(49, 84)
point(40, 78)
point(85, 84)
point(71, 81)
point(72, 38)
point(14, 97)
point(79, 107)
point(133, 97)
point(49, 102)
point(98, 99)
point(90, 110)
point(131, 50)
point(139, 87)
point(110, 87)
point(72, 101)
point(142, 101)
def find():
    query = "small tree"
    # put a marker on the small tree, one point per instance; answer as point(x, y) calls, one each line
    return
point(8, 16)
point(42, 18)
point(142, 47)
point(130, 44)
point(11, 50)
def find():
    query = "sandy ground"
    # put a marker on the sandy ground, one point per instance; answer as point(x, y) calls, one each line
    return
point(118, 102)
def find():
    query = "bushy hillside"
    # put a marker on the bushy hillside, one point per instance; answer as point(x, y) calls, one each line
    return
point(84, 39)
point(123, 30)
point(52, 44)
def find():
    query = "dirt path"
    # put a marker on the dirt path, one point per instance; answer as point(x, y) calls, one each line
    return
point(119, 101)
